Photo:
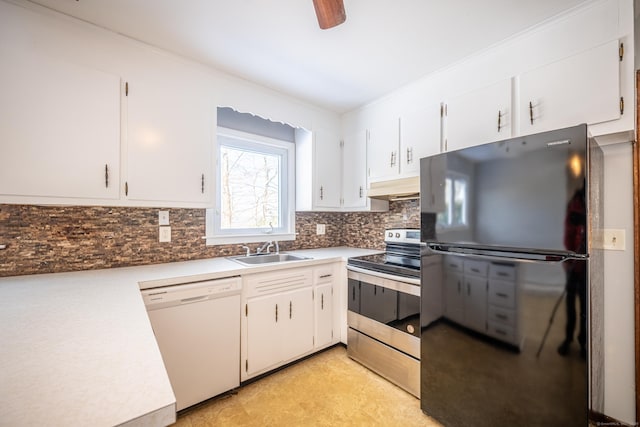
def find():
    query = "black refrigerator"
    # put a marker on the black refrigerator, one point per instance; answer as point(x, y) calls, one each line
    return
point(512, 282)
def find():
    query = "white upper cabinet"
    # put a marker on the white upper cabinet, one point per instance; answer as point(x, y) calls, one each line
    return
point(354, 171)
point(419, 137)
point(318, 170)
point(383, 149)
point(480, 116)
point(59, 127)
point(170, 128)
point(583, 88)
point(327, 164)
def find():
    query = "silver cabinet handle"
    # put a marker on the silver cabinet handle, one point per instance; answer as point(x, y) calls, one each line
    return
point(499, 120)
point(361, 191)
point(202, 184)
point(106, 176)
point(409, 155)
point(321, 193)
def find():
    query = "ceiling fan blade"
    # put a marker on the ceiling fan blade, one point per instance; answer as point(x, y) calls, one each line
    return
point(329, 12)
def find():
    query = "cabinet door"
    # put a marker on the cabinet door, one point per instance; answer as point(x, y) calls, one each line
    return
point(419, 137)
point(475, 303)
point(354, 170)
point(383, 150)
point(59, 126)
point(327, 156)
point(324, 314)
point(297, 323)
point(454, 301)
point(265, 315)
point(584, 88)
point(170, 137)
point(480, 116)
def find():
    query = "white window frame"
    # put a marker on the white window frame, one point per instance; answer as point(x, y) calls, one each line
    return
point(453, 176)
point(235, 138)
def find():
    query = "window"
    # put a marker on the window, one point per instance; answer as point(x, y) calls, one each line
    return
point(455, 200)
point(254, 192)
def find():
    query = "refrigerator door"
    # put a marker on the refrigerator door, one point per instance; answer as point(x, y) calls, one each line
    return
point(507, 344)
point(524, 194)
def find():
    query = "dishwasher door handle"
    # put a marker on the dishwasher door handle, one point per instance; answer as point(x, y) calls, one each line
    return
point(194, 299)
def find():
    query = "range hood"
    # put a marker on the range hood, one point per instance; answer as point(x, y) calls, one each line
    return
point(396, 189)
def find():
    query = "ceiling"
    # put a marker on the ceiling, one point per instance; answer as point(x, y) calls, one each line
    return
point(383, 45)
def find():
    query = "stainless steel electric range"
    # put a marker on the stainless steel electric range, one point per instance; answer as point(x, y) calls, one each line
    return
point(384, 309)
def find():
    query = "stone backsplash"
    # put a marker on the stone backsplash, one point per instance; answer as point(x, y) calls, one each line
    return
point(51, 239)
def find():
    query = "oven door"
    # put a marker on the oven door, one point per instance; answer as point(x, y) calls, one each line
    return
point(385, 308)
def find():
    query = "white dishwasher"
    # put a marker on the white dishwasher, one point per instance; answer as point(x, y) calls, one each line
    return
point(197, 327)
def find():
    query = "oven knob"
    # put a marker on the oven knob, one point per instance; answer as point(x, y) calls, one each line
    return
point(390, 234)
point(398, 235)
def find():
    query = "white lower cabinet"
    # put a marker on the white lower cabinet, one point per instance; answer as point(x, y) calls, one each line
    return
point(324, 315)
point(324, 280)
point(288, 314)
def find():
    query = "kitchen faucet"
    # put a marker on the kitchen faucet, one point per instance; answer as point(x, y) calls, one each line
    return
point(265, 247)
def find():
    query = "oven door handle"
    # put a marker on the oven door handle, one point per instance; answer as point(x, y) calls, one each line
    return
point(397, 283)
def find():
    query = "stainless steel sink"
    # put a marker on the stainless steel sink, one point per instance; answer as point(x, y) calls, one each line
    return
point(267, 259)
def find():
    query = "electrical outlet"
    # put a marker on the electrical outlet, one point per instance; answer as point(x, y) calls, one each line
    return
point(165, 234)
point(163, 217)
point(613, 239)
point(320, 229)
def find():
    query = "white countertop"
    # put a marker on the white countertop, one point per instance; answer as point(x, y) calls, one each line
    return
point(78, 348)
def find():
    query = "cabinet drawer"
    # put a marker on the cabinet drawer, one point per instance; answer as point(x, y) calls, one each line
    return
point(324, 274)
point(504, 316)
point(502, 272)
point(453, 264)
point(476, 268)
point(502, 293)
point(502, 332)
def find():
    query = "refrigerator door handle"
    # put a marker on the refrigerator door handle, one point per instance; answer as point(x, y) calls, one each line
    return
point(495, 255)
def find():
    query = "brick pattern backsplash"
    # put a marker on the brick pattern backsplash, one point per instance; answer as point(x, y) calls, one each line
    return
point(51, 239)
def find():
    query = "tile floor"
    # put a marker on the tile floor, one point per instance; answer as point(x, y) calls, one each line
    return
point(328, 389)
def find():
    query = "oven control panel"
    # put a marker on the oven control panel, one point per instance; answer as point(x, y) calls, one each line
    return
point(402, 235)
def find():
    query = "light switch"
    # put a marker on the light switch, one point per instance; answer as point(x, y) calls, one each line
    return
point(320, 229)
point(613, 240)
point(163, 217)
point(165, 234)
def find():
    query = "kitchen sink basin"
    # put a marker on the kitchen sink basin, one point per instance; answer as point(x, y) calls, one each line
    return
point(267, 259)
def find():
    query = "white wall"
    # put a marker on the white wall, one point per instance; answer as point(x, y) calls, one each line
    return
point(619, 286)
